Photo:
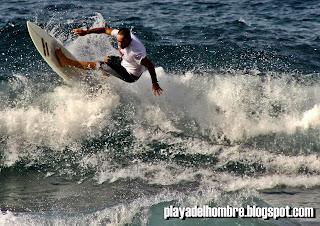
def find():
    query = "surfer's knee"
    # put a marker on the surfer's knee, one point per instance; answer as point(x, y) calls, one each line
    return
point(107, 59)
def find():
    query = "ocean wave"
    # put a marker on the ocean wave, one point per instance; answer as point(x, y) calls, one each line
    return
point(236, 124)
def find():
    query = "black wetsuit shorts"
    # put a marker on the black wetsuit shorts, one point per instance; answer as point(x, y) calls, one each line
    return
point(114, 63)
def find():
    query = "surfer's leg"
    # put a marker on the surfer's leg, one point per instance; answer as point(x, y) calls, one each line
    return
point(114, 62)
point(67, 62)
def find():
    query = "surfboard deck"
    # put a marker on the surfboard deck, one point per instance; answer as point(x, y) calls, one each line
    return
point(46, 46)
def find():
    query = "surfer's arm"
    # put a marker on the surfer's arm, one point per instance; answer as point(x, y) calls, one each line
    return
point(99, 30)
point(157, 91)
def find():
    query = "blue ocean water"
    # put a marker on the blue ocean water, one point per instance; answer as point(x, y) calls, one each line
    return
point(238, 124)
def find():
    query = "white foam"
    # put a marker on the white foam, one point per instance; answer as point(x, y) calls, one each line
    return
point(310, 118)
point(66, 116)
point(8, 218)
point(271, 181)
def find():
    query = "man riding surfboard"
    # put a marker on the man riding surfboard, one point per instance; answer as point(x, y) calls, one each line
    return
point(128, 67)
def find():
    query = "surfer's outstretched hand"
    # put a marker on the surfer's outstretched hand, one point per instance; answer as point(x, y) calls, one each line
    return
point(80, 32)
point(157, 91)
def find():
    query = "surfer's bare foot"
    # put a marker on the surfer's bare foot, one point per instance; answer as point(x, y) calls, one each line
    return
point(62, 59)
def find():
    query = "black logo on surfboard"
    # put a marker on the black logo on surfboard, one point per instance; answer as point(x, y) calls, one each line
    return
point(45, 48)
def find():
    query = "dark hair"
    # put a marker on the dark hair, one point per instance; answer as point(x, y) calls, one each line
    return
point(125, 32)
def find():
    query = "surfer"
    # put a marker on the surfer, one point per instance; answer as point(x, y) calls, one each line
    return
point(128, 67)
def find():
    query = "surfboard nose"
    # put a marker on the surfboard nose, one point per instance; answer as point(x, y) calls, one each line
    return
point(28, 24)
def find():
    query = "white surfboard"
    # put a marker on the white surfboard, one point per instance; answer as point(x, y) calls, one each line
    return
point(46, 46)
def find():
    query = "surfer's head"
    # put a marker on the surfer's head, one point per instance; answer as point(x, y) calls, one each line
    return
point(124, 38)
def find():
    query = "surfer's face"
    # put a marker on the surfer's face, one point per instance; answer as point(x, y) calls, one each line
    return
point(123, 42)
